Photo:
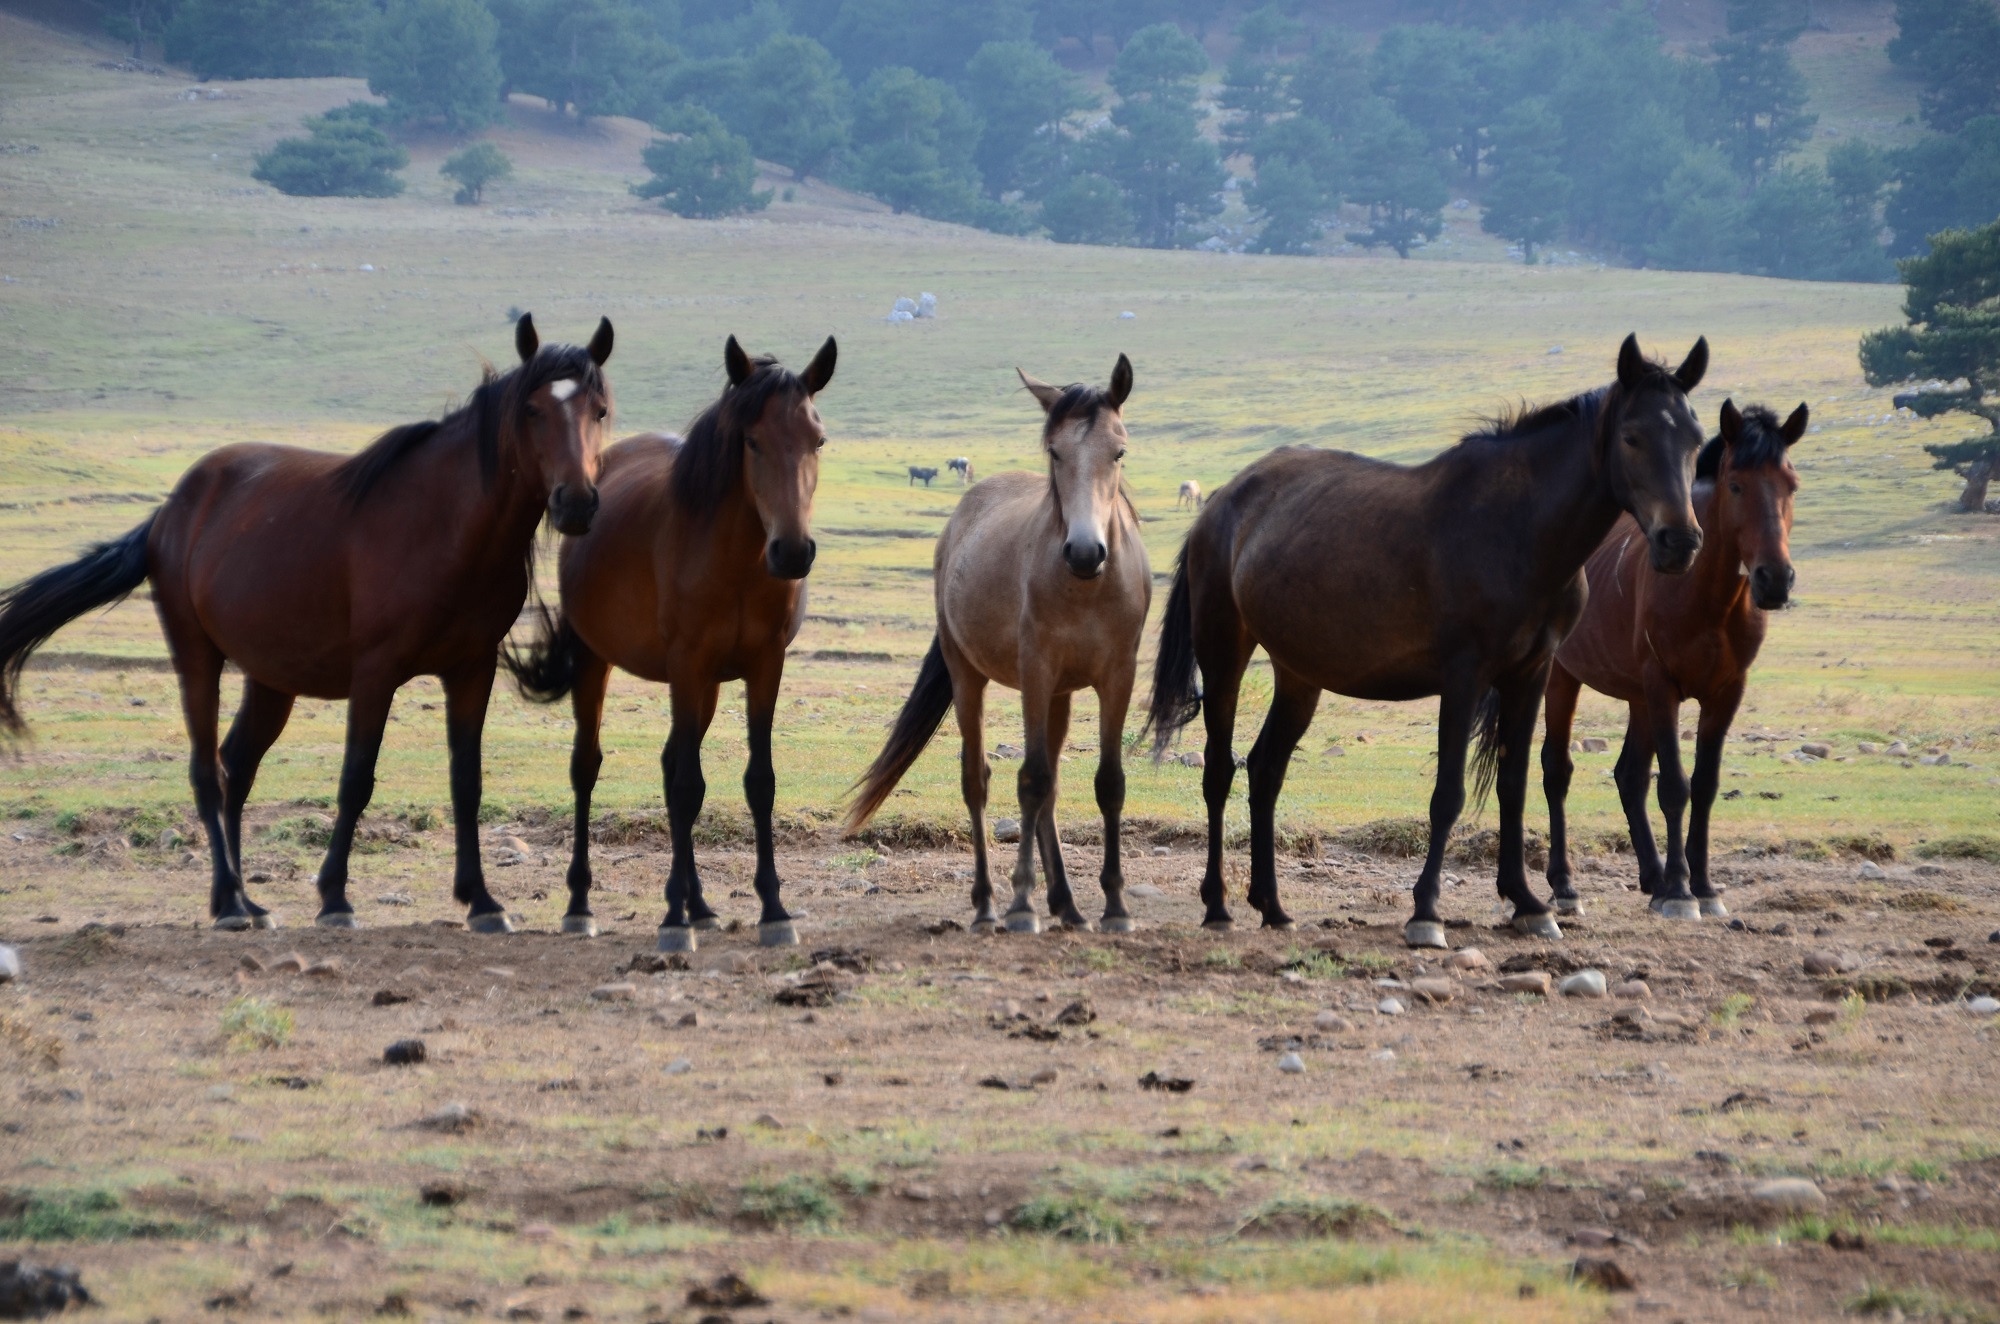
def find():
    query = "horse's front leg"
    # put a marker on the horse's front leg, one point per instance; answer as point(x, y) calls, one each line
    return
point(1455, 711)
point(1519, 700)
point(1292, 707)
point(1114, 698)
point(586, 759)
point(465, 698)
point(680, 768)
point(259, 722)
point(1717, 712)
point(760, 789)
point(1062, 902)
point(1671, 899)
point(1559, 709)
point(1036, 785)
point(367, 714)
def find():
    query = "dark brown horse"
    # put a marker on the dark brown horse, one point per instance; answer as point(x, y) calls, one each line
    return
point(343, 577)
point(1456, 578)
point(1656, 642)
point(693, 575)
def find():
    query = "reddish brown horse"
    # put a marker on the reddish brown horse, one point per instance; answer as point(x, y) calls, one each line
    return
point(343, 577)
point(1656, 642)
point(1456, 578)
point(693, 575)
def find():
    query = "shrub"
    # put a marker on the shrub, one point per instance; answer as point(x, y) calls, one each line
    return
point(474, 168)
point(343, 158)
point(700, 168)
point(1073, 1218)
point(791, 1201)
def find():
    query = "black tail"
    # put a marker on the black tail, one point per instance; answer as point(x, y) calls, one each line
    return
point(546, 671)
point(1486, 758)
point(1176, 700)
point(30, 612)
point(923, 712)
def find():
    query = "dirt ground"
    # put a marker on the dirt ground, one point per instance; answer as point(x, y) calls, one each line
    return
point(933, 1086)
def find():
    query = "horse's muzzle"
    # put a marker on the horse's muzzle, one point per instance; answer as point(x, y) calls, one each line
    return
point(790, 559)
point(1771, 586)
point(1085, 560)
point(572, 509)
point(1674, 549)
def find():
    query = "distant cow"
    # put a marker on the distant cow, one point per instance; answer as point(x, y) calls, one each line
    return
point(962, 467)
point(925, 474)
point(1190, 495)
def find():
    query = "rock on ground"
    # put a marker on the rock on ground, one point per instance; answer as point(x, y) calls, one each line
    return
point(10, 964)
point(1788, 1193)
point(30, 1291)
point(1583, 984)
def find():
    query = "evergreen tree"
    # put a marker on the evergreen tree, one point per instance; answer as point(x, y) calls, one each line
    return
point(1021, 96)
point(1171, 175)
point(1705, 228)
point(794, 105)
point(1087, 209)
point(474, 168)
point(435, 60)
point(1392, 173)
point(1439, 80)
point(1953, 48)
point(270, 38)
point(933, 37)
point(1952, 303)
point(700, 168)
point(1291, 203)
point(344, 157)
point(1763, 93)
point(1330, 82)
point(1253, 92)
point(1945, 182)
point(1527, 200)
point(138, 22)
point(1266, 30)
point(914, 138)
point(592, 57)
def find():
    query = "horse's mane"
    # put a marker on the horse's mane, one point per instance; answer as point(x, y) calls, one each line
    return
point(1524, 417)
point(709, 463)
point(497, 398)
point(1760, 443)
point(1077, 401)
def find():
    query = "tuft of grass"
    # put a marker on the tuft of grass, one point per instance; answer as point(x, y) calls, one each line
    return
point(794, 1201)
point(1731, 1012)
point(1313, 1215)
point(1920, 901)
point(1375, 963)
point(1514, 1175)
point(1221, 958)
point(1073, 1218)
point(313, 832)
point(251, 1023)
point(857, 1182)
point(1969, 846)
point(1927, 1170)
point(1315, 965)
point(1401, 838)
point(1746, 1275)
point(1103, 960)
point(1917, 1303)
point(88, 1215)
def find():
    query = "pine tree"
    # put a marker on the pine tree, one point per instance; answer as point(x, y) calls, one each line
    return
point(435, 60)
point(1762, 91)
point(1529, 195)
point(1396, 178)
point(474, 168)
point(700, 168)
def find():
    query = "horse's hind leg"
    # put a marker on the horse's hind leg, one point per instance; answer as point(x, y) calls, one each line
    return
point(1062, 902)
point(760, 791)
point(586, 757)
point(1455, 713)
point(1516, 732)
point(1557, 768)
point(1114, 697)
point(199, 663)
point(968, 700)
point(1221, 651)
point(1291, 713)
point(1634, 776)
point(680, 765)
point(1036, 784)
point(259, 722)
point(367, 714)
point(1672, 898)
point(466, 695)
point(1717, 712)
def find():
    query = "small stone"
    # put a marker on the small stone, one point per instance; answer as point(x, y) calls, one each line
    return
point(1163, 850)
point(1006, 1009)
point(1593, 745)
point(1867, 747)
point(388, 997)
point(1822, 1016)
point(1332, 1022)
point(689, 1020)
point(1788, 1193)
point(1583, 984)
point(1870, 1124)
point(1635, 990)
point(680, 1066)
point(1826, 962)
point(289, 964)
point(395, 899)
point(1292, 1064)
point(614, 992)
point(767, 1121)
point(1872, 871)
point(453, 1117)
point(327, 969)
point(405, 1053)
point(1434, 990)
point(1145, 891)
point(1982, 1006)
point(1816, 750)
point(1386, 1055)
point(1006, 829)
point(1897, 749)
point(1635, 1195)
point(1468, 958)
point(1528, 981)
point(1389, 1007)
point(497, 971)
point(10, 964)
point(1602, 1273)
point(246, 962)
point(1045, 1076)
point(442, 1194)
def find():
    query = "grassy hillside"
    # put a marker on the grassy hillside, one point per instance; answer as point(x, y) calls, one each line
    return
point(158, 302)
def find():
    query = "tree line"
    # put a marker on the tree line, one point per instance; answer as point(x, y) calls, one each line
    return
point(1569, 122)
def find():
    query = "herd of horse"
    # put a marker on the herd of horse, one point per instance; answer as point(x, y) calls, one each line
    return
point(1604, 540)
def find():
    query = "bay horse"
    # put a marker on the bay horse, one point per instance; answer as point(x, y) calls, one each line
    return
point(1190, 495)
point(342, 577)
point(1654, 642)
point(1457, 578)
point(692, 575)
point(1042, 585)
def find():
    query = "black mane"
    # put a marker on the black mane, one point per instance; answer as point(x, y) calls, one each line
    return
point(498, 399)
point(1077, 401)
point(1524, 418)
point(709, 463)
point(1761, 442)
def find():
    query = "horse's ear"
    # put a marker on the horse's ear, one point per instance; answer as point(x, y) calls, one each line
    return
point(820, 371)
point(1121, 382)
point(1041, 390)
point(1795, 426)
point(526, 342)
point(600, 344)
point(1631, 363)
point(1694, 367)
point(736, 362)
point(1732, 424)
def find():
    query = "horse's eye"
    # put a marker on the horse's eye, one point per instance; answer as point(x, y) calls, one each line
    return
point(1736, 489)
point(820, 445)
point(1121, 456)
point(751, 442)
point(603, 414)
point(1632, 439)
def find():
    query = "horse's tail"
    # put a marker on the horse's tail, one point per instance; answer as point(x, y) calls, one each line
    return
point(1176, 698)
point(1486, 758)
point(546, 670)
point(923, 712)
point(32, 611)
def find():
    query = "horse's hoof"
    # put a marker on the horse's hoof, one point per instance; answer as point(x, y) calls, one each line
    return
point(675, 938)
point(1023, 921)
point(985, 924)
point(1569, 905)
point(1712, 908)
point(1537, 926)
point(492, 922)
point(1280, 925)
point(580, 926)
point(777, 933)
point(709, 923)
point(234, 923)
point(1218, 925)
point(1116, 924)
point(265, 919)
point(1678, 908)
point(1424, 933)
point(336, 919)
point(1077, 925)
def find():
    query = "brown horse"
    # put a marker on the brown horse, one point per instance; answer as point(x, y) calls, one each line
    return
point(1656, 642)
point(692, 575)
point(343, 577)
point(1042, 585)
point(1456, 578)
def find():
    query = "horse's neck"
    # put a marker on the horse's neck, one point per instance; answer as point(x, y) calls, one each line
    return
point(1568, 506)
point(738, 529)
point(489, 519)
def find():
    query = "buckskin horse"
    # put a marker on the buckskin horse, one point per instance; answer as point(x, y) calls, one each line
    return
point(1456, 578)
point(343, 577)
point(692, 575)
point(1042, 585)
point(1655, 641)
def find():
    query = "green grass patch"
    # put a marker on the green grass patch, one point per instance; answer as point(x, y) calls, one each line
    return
point(96, 1214)
point(1514, 1175)
point(1072, 1217)
point(793, 1201)
point(1730, 1014)
point(1221, 958)
point(1917, 1303)
point(1315, 965)
point(1314, 1216)
point(1967, 846)
point(251, 1023)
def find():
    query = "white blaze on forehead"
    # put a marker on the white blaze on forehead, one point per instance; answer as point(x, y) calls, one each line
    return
point(563, 389)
